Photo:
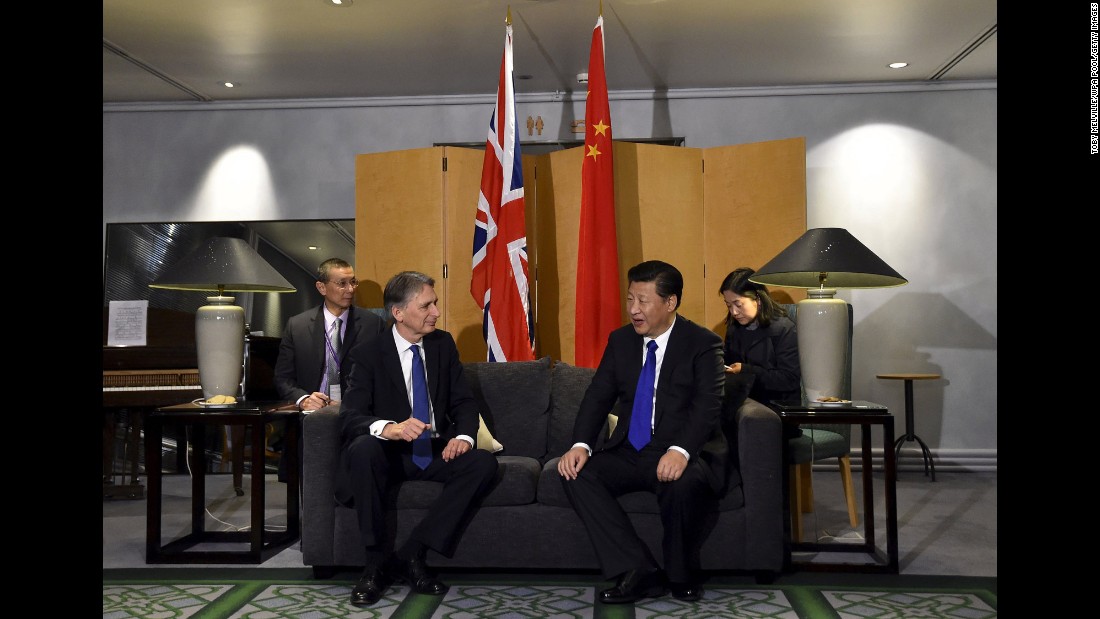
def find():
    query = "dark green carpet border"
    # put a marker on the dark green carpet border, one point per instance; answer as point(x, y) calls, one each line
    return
point(809, 580)
point(803, 590)
point(305, 574)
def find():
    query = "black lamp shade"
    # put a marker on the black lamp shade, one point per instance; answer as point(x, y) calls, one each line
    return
point(830, 252)
point(223, 264)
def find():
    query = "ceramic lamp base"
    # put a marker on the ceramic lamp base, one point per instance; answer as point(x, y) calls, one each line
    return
point(219, 335)
point(822, 342)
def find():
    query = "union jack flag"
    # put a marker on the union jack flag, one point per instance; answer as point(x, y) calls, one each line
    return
point(499, 281)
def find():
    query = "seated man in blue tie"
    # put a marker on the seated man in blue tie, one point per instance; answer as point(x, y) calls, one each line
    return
point(662, 375)
point(409, 413)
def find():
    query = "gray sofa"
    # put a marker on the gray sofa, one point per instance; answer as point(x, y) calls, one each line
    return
point(526, 522)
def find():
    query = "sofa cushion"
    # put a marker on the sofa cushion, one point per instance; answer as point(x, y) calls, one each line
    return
point(550, 491)
point(515, 399)
point(569, 384)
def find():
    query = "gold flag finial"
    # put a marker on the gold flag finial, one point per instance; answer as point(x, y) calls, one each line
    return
point(508, 20)
point(601, 8)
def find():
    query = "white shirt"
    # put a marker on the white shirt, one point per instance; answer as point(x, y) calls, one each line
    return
point(662, 345)
point(405, 352)
point(329, 318)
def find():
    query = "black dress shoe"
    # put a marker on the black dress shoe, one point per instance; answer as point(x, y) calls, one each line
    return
point(414, 573)
point(635, 585)
point(372, 584)
point(688, 592)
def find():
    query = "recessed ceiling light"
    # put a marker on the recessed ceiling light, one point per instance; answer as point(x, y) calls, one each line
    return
point(898, 65)
point(229, 84)
point(338, 2)
point(312, 248)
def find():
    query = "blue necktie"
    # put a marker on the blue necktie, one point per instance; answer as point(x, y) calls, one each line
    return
point(641, 415)
point(422, 446)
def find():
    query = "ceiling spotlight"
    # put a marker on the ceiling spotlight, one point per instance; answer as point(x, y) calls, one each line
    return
point(312, 247)
point(229, 84)
point(898, 65)
point(338, 2)
point(582, 78)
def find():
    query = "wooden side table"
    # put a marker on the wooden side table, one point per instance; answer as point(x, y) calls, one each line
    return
point(865, 414)
point(926, 454)
point(262, 544)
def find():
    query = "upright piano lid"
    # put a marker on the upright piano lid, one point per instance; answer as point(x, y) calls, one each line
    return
point(170, 343)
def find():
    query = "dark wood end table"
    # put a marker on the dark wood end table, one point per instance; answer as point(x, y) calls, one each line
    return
point(865, 414)
point(262, 544)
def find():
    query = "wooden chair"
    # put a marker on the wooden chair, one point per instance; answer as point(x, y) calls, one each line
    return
point(235, 453)
point(822, 441)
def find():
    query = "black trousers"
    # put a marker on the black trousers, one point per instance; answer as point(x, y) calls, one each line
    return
point(609, 474)
point(373, 464)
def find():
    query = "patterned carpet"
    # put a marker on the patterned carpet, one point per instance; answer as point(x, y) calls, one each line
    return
point(293, 593)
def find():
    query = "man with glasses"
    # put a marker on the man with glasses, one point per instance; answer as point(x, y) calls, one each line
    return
point(311, 370)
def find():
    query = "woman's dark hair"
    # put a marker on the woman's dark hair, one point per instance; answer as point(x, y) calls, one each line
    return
point(738, 283)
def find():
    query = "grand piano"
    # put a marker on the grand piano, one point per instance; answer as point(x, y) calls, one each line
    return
point(138, 379)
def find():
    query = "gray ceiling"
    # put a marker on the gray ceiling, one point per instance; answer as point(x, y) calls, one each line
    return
point(180, 51)
point(333, 239)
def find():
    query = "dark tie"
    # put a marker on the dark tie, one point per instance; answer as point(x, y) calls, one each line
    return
point(332, 372)
point(422, 446)
point(641, 415)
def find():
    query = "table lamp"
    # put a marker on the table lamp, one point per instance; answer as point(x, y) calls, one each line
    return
point(825, 257)
point(223, 265)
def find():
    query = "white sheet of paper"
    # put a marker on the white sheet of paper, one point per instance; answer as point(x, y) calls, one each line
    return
point(127, 323)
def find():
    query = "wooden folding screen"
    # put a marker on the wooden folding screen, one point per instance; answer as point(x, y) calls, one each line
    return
point(707, 211)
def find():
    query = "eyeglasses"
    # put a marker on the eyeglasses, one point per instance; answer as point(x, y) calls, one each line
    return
point(345, 283)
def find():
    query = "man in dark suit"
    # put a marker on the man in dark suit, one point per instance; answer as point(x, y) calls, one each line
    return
point(409, 414)
point(307, 359)
point(668, 440)
point(304, 352)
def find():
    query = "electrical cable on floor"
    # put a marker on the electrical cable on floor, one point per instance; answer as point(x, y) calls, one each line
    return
point(274, 528)
point(824, 535)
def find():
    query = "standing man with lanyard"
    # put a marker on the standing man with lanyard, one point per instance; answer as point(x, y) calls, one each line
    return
point(311, 370)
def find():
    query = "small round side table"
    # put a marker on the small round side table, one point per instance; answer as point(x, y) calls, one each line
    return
point(926, 454)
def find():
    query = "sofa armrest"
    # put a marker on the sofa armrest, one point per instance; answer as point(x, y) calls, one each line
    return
point(760, 447)
point(320, 454)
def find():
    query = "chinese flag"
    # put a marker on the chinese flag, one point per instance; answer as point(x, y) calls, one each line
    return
point(598, 295)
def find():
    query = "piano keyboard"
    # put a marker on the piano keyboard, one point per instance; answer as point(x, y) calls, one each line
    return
point(150, 388)
point(158, 388)
point(150, 380)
